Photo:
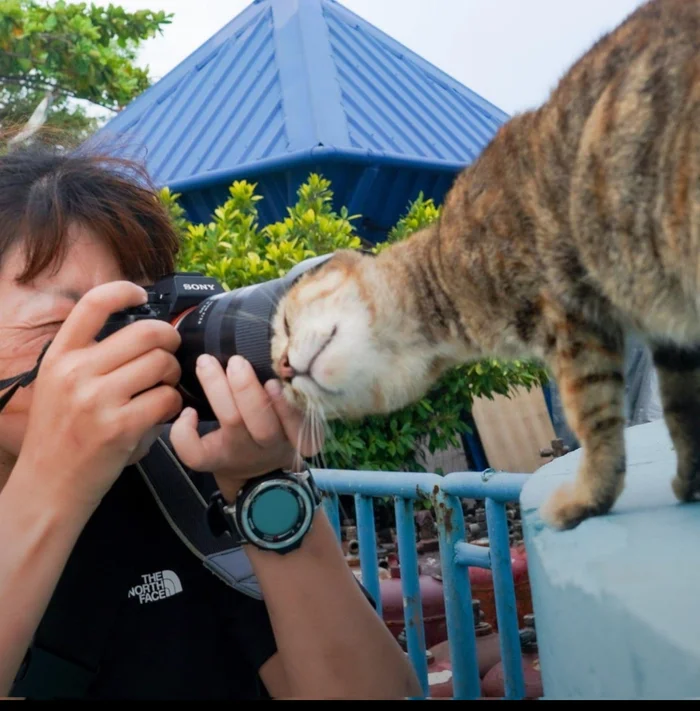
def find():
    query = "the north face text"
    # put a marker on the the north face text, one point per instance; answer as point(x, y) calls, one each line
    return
point(156, 586)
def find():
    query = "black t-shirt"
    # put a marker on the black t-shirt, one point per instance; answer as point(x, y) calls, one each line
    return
point(174, 630)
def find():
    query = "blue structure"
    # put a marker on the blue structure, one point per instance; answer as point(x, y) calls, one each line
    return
point(616, 598)
point(456, 556)
point(289, 87)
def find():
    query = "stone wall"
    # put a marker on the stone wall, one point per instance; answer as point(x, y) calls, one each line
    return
point(616, 599)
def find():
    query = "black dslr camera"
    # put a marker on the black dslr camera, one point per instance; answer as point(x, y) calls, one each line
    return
point(214, 321)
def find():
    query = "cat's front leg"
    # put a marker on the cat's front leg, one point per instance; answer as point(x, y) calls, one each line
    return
point(679, 383)
point(588, 366)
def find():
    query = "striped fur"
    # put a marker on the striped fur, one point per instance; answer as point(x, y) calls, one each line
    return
point(578, 222)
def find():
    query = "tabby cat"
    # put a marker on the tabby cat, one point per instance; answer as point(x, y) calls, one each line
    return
point(580, 221)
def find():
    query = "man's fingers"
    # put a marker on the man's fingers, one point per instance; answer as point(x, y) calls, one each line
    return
point(89, 315)
point(253, 404)
point(184, 436)
point(299, 432)
point(133, 341)
point(216, 387)
point(153, 407)
point(147, 371)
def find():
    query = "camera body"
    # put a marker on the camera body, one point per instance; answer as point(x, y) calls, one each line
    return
point(168, 299)
point(215, 321)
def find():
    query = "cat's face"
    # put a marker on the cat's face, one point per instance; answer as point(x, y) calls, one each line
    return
point(343, 346)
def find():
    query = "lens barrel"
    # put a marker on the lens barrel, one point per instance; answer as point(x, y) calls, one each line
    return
point(237, 322)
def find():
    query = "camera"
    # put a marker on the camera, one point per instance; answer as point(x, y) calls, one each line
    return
point(212, 320)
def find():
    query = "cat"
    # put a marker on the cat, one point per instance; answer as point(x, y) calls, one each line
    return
point(579, 222)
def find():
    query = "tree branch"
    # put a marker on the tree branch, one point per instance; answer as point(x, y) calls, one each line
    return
point(43, 84)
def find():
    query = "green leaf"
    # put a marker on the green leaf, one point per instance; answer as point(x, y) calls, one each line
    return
point(235, 250)
point(84, 52)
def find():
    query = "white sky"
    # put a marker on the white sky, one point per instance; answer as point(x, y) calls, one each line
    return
point(511, 52)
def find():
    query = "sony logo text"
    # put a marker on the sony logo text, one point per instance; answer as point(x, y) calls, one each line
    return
point(198, 287)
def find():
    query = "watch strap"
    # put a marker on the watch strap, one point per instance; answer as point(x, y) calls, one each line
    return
point(219, 522)
point(221, 516)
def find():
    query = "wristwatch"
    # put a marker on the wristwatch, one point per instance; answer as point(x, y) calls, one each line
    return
point(272, 512)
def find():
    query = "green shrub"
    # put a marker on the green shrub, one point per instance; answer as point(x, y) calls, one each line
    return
point(233, 249)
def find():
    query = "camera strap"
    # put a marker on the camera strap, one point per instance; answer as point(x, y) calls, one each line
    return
point(180, 502)
point(184, 508)
point(22, 380)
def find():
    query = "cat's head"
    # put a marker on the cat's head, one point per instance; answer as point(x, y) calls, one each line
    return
point(346, 342)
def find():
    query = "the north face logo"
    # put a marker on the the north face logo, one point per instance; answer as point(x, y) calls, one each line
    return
point(156, 586)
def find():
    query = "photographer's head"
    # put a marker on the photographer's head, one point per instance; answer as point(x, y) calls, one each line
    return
point(68, 222)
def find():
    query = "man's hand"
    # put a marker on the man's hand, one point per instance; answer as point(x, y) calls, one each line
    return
point(331, 643)
point(97, 404)
point(259, 430)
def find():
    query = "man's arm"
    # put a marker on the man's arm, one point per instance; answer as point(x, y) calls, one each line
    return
point(37, 538)
point(331, 642)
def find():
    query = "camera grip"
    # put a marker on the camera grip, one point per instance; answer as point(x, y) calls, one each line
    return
point(118, 320)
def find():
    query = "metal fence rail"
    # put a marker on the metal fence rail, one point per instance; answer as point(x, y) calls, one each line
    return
point(456, 556)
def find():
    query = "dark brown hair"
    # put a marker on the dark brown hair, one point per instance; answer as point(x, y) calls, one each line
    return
point(44, 191)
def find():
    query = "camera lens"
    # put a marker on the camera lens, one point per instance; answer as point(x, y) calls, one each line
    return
point(237, 322)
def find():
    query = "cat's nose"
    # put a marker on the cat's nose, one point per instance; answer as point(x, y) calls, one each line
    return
point(287, 372)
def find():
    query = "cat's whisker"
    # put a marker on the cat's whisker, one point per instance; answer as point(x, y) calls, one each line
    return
point(330, 437)
point(317, 419)
point(322, 435)
point(308, 426)
point(316, 442)
point(319, 433)
point(334, 413)
point(301, 437)
point(307, 432)
point(310, 433)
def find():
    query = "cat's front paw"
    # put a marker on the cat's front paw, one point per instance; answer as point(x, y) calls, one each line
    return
point(686, 489)
point(568, 506)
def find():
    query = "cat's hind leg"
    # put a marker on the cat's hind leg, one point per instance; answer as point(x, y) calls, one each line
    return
point(589, 368)
point(679, 382)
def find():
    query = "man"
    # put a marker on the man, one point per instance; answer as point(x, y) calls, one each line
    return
point(77, 238)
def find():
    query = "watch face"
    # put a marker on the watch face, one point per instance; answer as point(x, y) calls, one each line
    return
point(276, 514)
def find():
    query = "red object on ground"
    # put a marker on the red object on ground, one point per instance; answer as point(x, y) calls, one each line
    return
point(433, 604)
point(488, 649)
point(439, 678)
point(493, 685)
point(488, 654)
point(481, 581)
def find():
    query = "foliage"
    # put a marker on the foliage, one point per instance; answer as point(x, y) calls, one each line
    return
point(236, 251)
point(76, 51)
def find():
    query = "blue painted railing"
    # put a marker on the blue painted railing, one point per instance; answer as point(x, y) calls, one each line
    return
point(456, 554)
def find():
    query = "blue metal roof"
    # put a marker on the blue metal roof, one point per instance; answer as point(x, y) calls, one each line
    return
point(289, 82)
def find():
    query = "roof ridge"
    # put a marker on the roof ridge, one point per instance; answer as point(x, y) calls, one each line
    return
point(290, 78)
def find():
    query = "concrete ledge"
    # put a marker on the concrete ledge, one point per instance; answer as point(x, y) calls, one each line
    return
point(617, 600)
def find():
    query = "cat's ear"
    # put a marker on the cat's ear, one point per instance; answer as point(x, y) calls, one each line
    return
point(347, 258)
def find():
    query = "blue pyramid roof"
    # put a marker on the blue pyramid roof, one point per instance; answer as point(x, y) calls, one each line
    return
point(289, 82)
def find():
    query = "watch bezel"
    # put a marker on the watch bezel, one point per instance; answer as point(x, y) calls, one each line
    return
point(275, 541)
point(240, 511)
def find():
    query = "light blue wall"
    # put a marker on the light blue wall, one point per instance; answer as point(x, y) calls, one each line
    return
point(617, 600)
